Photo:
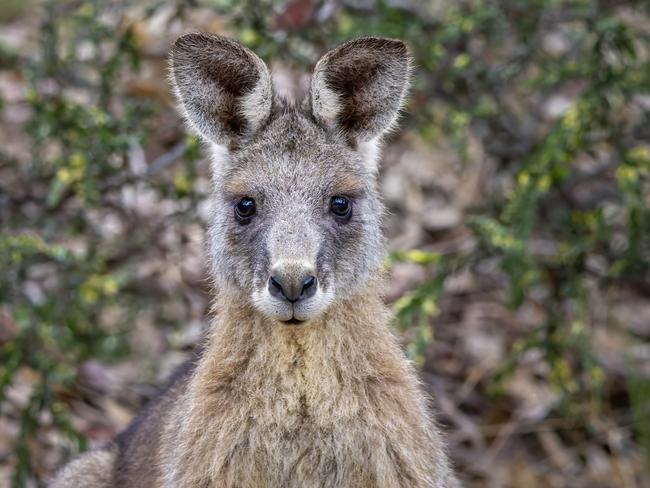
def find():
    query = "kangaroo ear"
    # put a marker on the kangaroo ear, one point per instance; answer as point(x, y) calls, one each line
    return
point(224, 89)
point(360, 86)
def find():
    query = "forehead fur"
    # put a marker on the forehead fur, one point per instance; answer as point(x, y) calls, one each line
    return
point(292, 153)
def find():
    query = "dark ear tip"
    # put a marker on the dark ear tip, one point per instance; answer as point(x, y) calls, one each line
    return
point(386, 44)
point(193, 41)
point(186, 44)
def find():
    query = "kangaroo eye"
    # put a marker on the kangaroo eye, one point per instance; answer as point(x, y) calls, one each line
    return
point(245, 208)
point(341, 206)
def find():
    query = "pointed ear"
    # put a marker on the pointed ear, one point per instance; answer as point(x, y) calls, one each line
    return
point(224, 89)
point(360, 86)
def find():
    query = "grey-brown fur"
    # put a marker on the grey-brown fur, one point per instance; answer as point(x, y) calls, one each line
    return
point(330, 402)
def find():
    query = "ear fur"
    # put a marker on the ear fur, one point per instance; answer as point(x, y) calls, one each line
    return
point(360, 87)
point(224, 89)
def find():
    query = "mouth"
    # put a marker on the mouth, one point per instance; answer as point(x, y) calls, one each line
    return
point(292, 321)
point(297, 313)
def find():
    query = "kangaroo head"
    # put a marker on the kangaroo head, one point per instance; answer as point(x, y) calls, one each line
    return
point(296, 218)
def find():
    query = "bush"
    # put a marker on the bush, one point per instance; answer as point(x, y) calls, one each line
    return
point(550, 97)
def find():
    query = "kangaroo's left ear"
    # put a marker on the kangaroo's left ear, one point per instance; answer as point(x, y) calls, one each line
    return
point(359, 87)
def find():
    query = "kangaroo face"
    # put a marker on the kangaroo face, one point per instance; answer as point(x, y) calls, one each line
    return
point(296, 220)
point(296, 217)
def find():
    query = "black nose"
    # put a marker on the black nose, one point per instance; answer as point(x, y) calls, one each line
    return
point(292, 290)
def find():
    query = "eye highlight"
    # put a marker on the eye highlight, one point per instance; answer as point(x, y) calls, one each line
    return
point(245, 209)
point(341, 206)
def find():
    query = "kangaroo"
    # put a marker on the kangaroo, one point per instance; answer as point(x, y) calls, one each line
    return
point(299, 381)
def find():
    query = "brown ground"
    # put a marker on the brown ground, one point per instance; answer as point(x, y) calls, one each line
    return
point(522, 438)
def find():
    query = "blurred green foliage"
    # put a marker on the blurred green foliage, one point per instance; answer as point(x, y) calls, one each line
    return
point(473, 58)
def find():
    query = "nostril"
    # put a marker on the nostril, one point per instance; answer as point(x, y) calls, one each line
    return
point(292, 290)
point(275, 288)
point(308, 287)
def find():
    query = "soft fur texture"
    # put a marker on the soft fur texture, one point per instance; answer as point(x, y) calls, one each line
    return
point(331, 402)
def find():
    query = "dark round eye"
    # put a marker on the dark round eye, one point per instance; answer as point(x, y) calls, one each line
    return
point(245, 208)
point(340, 206)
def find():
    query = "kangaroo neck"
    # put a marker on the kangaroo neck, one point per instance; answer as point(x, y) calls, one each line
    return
point(350, 343)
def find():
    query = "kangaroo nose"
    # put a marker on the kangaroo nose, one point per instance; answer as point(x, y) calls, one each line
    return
point(292, 289)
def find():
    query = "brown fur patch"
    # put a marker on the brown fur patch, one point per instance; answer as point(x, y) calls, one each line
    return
point(237, 187)
point(348, 183)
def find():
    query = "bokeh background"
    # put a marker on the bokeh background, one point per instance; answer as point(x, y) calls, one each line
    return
point(519, 199)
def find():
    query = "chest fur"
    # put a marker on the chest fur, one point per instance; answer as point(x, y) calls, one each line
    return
point(300, 414)
point(288, 441)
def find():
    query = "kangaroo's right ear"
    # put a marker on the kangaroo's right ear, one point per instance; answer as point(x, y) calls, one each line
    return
point(224, 89)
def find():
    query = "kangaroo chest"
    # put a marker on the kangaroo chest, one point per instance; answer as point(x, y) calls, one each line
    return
point(299, 455)
point(299, 430)
point(297, 427)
